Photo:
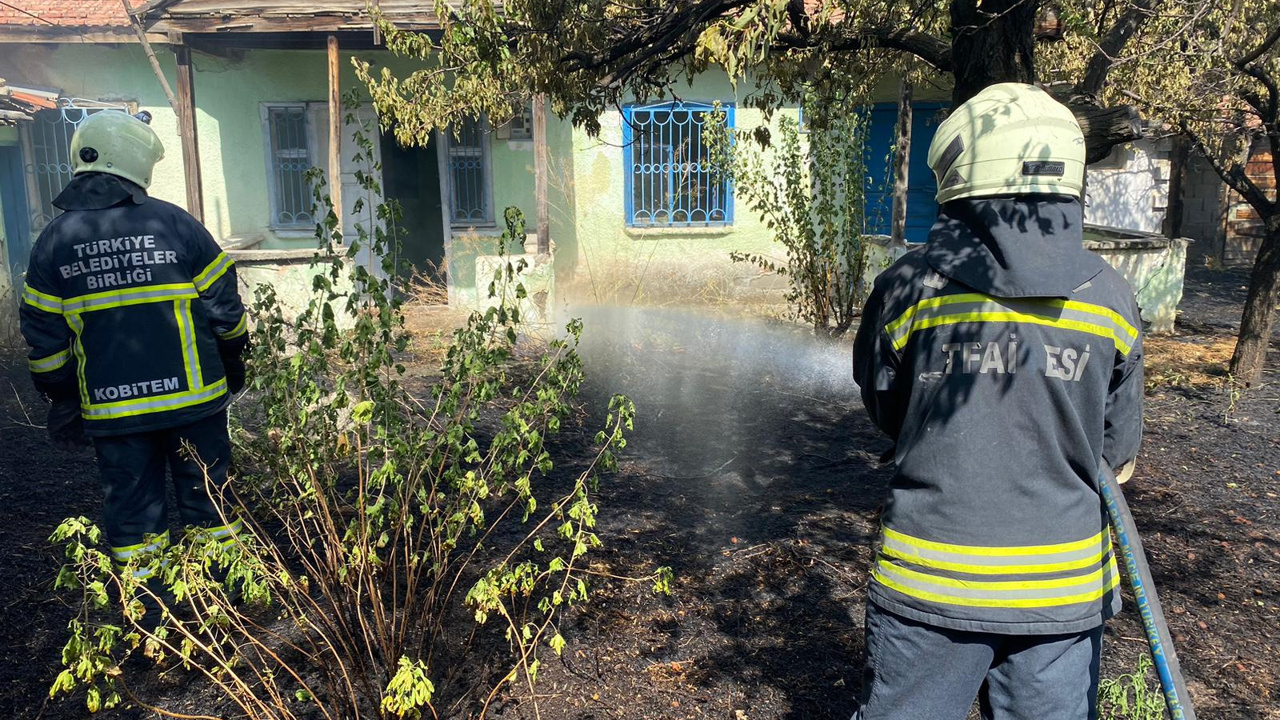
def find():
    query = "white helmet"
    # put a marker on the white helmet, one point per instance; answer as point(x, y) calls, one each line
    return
point(1009, 139)
point(113, 141)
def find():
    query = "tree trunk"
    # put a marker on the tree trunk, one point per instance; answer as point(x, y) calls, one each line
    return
point(1259, 316)
point(993, 41)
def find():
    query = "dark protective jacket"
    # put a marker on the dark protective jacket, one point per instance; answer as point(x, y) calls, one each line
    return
point(1005, 361)
point(130, 305)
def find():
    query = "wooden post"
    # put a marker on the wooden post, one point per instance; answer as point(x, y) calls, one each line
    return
point(540, 173)
point(901, 165)
point(187, 128)
point(335, 132)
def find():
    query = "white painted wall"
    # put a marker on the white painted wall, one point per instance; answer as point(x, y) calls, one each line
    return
point(1130, 190)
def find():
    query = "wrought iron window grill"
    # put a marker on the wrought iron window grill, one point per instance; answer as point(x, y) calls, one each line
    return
point(290, 161)
point(668, 177)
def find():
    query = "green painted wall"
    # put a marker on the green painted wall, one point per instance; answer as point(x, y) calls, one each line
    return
point(608, 262)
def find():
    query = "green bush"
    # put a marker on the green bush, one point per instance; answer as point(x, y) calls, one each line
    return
point(1132, 696)
point(809, 187)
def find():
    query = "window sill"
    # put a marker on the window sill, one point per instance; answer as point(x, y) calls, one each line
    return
point(481, 229)
point(653, 233)
point(294, 232)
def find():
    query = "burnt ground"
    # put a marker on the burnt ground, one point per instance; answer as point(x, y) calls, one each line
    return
point(753, 473)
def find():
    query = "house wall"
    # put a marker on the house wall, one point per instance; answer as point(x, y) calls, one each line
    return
point(611, 263)
point(233, 146)
point(1131, 191)
point(1204, 210)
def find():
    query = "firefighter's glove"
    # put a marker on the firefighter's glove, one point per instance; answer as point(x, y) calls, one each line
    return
point(232, 354)
point(234, 368)
point(65, 425)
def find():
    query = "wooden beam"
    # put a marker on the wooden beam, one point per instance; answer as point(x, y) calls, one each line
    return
point(540, 178)
point(187, 128)
point(335, 131)
point(151, 56)
point(1104, 128)
point(44, 34)
point(901, 164)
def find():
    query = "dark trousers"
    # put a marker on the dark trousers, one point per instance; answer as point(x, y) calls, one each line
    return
point(135, 505)
point(916, 671)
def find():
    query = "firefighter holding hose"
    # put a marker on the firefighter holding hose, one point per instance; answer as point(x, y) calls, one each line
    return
point(136, 330)
point(1005, 361)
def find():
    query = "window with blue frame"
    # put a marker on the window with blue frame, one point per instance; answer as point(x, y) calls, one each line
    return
point(668, 177)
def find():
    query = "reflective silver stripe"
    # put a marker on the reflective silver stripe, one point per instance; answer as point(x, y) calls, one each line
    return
point(50, 363)
point(128, 551)
point(41, 300)
point(182, 310)
point(143, 405)
point(210, 274)
point(128, 297)
point(1013, 563)
point(240, 328)
point(1095, 583)
point(225, 531)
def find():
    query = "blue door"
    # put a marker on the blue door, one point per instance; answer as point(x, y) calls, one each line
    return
point(922, 208)
point(15, 235)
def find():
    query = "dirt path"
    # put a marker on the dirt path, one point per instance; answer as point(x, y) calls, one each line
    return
point(753, 472)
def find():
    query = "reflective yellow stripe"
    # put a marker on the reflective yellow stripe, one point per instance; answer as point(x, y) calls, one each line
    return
point(51, 362)
point(241, 328)
point(43, 301)
point(993, 602)
point(187, 335)
point(1020, 318)
point(127, 551)
point(212, 272)
point(1102, 321)
point(77, 326)
point(998, 569)
point(130, 296)
point(155, 403)
point(993, 550)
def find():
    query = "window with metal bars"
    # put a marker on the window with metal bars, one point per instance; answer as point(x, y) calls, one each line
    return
point(470, 188)
point(290, 158)
point(668, 177)
point(47, 140)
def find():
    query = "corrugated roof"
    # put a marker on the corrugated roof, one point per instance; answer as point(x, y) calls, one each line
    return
point(64, 13)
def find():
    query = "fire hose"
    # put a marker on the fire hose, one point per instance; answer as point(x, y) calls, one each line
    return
point(1163, 654)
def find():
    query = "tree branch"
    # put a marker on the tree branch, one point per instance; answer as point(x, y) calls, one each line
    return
point(1246, 66)
point(1235, 177)
point(932, 50)
point(1125, 28)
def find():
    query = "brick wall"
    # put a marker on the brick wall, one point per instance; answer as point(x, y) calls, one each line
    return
point(1244, 225)
point(1223, 226)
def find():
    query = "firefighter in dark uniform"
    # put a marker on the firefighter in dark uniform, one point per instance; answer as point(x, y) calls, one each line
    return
point(136, 330)
point(1005, 361)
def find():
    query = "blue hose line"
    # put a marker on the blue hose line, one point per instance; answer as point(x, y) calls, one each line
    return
point(1163, 654)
